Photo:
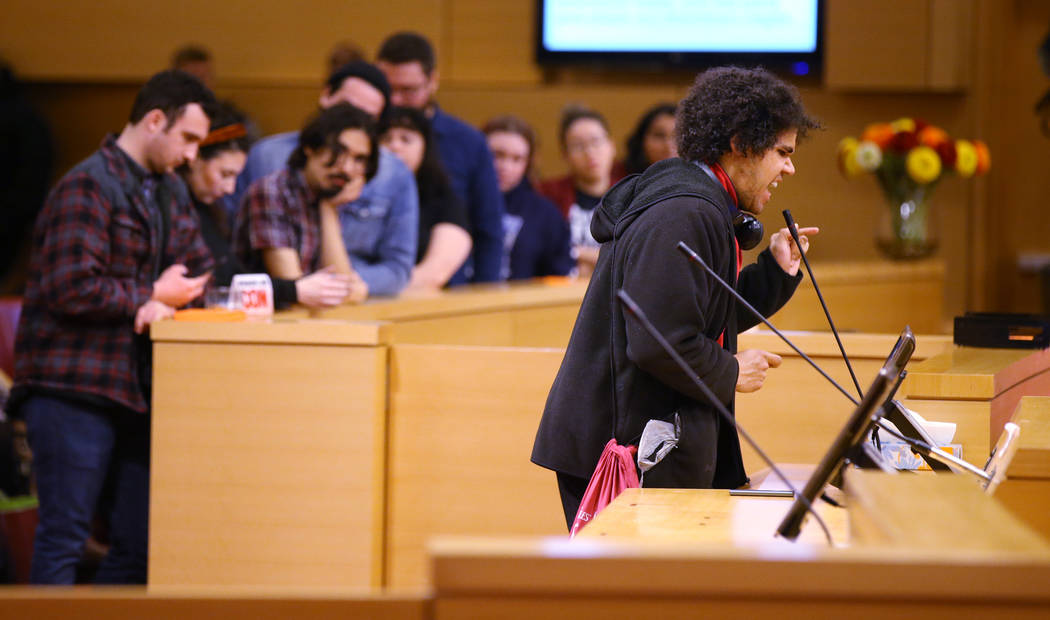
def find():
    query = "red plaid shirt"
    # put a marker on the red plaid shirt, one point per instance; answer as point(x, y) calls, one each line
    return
point(95, 258)
point(279, 211)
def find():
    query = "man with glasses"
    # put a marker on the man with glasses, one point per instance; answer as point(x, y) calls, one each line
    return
point(407, 59)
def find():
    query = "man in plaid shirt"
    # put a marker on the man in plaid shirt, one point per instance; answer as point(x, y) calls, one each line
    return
point(111, 252)
point(288, 223)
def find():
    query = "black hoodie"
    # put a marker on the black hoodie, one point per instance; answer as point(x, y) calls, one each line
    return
point(615, 377)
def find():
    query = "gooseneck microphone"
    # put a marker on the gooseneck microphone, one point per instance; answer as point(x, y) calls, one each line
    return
point(921, 447)
point(685, 249)
point(636, 311)
point(793, 229)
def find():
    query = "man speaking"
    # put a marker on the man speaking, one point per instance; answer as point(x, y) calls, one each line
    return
point(736, 131)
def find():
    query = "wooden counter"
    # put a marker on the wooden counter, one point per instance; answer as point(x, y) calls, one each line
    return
point(978, 389)
point(713, 516)
point(1026, 490)
point(267, 454)
point(537, 313)
point(967, 558)
point(878, 296)
point(276, 443)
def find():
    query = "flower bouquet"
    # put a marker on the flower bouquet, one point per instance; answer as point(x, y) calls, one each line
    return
point(908, 158)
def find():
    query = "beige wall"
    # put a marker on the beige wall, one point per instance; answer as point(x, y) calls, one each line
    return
point(84, 62)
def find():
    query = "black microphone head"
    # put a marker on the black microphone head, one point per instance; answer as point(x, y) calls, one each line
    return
point(792, 226)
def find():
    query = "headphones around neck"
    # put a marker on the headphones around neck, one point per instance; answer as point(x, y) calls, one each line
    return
point(747, 229)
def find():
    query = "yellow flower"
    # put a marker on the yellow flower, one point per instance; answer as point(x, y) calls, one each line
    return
point(847, 158)
point(966, 158)
point(903, 124)
point(923, 164)
point(868, 156)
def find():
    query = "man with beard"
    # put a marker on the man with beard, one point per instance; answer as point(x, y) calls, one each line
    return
point(289, 222)
point(736, 132)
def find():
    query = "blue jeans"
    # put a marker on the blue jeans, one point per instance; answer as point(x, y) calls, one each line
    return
point(78, 448)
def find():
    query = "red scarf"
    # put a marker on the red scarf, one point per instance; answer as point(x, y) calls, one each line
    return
point(723, 178)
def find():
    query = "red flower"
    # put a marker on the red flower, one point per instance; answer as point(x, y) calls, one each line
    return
point(946, 151)
point(903, 141)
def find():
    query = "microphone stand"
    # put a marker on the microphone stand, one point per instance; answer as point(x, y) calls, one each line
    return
point(740, 298)
point(793, 229)
point(918, 446)
point(636, 311)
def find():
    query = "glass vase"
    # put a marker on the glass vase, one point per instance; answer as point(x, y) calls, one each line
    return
point(908, 228)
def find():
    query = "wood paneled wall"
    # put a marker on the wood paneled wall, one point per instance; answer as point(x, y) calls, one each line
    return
point(84, 63)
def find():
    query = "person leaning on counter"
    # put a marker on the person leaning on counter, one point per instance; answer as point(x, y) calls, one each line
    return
point(288, 223)
point(736, 131)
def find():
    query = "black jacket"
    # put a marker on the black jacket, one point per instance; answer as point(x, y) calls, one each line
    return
point(615, 377)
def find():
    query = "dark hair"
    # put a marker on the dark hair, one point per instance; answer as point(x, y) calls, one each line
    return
point(431, 178)
point(515, 125)
point(402, 47)
point(750, 106)
point(574, 112)
point(636, 160)
point(342, 53)
point(170, 92)
point(322, 131)
point(226, 115)
point(190, 53)
point(363, 70)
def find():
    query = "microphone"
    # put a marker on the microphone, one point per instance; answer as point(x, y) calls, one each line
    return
point(685, 249)
point(635, 311)
point(921, 447)
point(793, 229)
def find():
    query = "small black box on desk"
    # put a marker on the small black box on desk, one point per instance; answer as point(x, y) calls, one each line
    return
point(1002, 331)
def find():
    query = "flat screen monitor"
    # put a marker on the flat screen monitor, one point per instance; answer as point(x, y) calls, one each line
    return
point(781, 35)
point(857, 426)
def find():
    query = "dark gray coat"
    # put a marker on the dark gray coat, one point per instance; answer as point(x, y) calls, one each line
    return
point(615, 377)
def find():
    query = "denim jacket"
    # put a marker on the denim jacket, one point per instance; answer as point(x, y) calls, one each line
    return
point(380, 228)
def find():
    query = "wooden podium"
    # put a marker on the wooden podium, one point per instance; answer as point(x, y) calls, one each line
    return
point(968, 558)
point(978, 389)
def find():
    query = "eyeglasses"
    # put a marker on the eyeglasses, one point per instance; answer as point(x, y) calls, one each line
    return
point(408, 91)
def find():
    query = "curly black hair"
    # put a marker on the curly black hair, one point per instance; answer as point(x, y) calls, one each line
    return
point(750, 107)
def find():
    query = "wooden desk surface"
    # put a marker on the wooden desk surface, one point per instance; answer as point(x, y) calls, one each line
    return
point(713, 515)
point(930, 511)
point(973, 373)
point(278, 330)
point(468, 299)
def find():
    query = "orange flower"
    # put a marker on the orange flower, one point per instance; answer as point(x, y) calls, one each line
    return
point(879, 133)
point(933, 136)
point(923, 164)
point(984, 156)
